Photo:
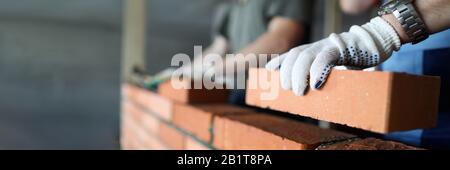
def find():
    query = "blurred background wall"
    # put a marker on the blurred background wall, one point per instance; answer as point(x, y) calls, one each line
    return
point(60, 65)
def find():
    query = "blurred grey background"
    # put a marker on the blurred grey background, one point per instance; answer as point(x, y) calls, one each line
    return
point(60, 65)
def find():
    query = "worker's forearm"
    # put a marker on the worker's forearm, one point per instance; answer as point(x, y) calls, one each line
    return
point(435, 13)
point(282, 34)
point(268, 44)
point(357, 6)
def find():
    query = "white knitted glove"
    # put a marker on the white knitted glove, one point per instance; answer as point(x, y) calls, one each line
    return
point(363, 46)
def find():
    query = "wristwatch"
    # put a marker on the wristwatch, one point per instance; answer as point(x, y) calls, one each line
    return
point(408, 17)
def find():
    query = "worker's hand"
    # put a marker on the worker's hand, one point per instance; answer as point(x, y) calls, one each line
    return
point(199, 67)
point(363, 46)
point(194, 70)
point(210, 68)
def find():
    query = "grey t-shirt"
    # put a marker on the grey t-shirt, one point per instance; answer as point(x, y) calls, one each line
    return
point(242, 22)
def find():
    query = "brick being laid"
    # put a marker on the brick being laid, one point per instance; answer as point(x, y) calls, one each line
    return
point(375, 101)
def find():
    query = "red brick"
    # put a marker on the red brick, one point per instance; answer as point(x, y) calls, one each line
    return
point(268, 132)
point(136, 141)
point(150, 123)
point(125, 133)
point(125, 142)
point(368, 144)
point(133, 144)
point(129, 138)
point(148, 141)
point(192, 144)
point(139, 129)
point(148, 100)
point(202, 95)
point(172, 137)
point(143, 118)
point(197, 119)
point(130, 111)
point(375, 101)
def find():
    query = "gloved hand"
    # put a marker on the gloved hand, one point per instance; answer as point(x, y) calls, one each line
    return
point(362, 47)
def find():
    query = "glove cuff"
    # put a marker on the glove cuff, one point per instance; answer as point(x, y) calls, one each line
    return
point(385, 34)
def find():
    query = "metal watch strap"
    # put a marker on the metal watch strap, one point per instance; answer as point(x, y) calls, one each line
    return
point(411, 22)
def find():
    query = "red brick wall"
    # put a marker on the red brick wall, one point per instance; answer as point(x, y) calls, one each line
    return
point(163, 121)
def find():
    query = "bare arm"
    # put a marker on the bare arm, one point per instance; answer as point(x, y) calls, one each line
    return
point(435, 13)
point(355, 7)
point(282, 35)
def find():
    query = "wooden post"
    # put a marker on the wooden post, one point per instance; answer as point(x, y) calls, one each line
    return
point(333, 17)
point(134, 36)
